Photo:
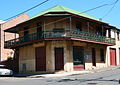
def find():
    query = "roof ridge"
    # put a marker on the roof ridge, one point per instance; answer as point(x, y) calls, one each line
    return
point(59, 8)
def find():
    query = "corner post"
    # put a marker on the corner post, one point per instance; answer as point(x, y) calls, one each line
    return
point(4, 37)
point(88, 25)
point(70, 23)
point(102, 30)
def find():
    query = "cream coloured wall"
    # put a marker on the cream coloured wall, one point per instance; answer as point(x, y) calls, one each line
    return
point(27, 55)
point(30, 66)
point(48, 25)
point(88, 54)
point(89, 66)
point(68, 61)
point(116, 47)
point(27, 58)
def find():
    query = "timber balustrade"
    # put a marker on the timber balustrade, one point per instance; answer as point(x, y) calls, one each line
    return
point(60, 34)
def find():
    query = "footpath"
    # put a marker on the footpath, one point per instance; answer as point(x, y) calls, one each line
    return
point(62, 74)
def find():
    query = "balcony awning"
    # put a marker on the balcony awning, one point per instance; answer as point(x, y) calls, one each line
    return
point(12, 30)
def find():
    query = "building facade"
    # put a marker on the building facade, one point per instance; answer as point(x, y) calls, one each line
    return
point(5, 53)
point(114, 51)
point(62, 39)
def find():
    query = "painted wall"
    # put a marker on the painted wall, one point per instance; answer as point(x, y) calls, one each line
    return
point(88, 55)
point(47, 25)
point(116, 47)
point(68, 60)
point(27, 59)
point(27, 55)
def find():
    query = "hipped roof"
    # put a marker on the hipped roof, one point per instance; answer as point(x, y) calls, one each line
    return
point(57, 8)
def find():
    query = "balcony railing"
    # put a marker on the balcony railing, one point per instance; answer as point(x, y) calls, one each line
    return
point(60, 34)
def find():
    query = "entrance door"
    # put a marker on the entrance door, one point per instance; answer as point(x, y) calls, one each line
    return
point(78, 57)
point(112, 57)
point(93, 57)
point(59, 59)
point(40, 53)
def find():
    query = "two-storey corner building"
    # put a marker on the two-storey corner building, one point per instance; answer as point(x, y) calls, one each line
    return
point(61, 39)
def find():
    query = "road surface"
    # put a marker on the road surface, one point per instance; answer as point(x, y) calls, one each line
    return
point(110, 77)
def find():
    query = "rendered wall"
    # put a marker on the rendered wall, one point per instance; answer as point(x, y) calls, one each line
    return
point(88, 54)
point(67, 45)
point(27, 58)
point(68, 60)
point(47, 25)
point(117, 48)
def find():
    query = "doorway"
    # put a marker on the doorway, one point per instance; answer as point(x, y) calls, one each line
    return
point(40, 53)
point(93, 57)
point(113, 57)
point(59, 58)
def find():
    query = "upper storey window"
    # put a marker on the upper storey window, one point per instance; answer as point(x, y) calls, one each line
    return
point(26, 31)
point(112, 33)
point(39, 27)
point(118, 35)
point(79, 26)
point(99, 31)
point(60, 30)
point(26, 34)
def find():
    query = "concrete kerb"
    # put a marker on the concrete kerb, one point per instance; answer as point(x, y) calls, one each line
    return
point(63, 74)
point(105, 69)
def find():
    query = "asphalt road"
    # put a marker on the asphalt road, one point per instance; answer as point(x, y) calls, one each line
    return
point(111, 77)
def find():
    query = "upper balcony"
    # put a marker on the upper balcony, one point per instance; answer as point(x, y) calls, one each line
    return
point(59, 35)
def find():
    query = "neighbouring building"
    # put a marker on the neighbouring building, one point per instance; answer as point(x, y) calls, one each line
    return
point(63, 39)
point(114, 51)
point(5, 53)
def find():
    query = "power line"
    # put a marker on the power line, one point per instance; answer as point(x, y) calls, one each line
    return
point(108, 12)
point(114, 2)
point(110, 9)
point(27, 10)
point(71, 15)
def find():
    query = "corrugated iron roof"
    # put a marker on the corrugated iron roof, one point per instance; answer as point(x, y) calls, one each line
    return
point(60, 8)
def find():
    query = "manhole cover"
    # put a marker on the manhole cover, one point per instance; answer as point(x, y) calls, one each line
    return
point(92, 83)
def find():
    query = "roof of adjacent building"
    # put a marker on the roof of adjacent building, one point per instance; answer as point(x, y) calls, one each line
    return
point(1, 21)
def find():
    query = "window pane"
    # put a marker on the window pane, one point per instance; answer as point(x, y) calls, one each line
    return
point(102, 55)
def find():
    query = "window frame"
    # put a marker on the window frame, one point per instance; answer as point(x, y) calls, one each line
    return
point(102, 55)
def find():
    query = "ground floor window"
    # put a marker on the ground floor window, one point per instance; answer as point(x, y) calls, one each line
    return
point(102, 59)
point(78, 55)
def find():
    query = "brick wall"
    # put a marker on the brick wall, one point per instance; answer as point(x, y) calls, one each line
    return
point(8, 52)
